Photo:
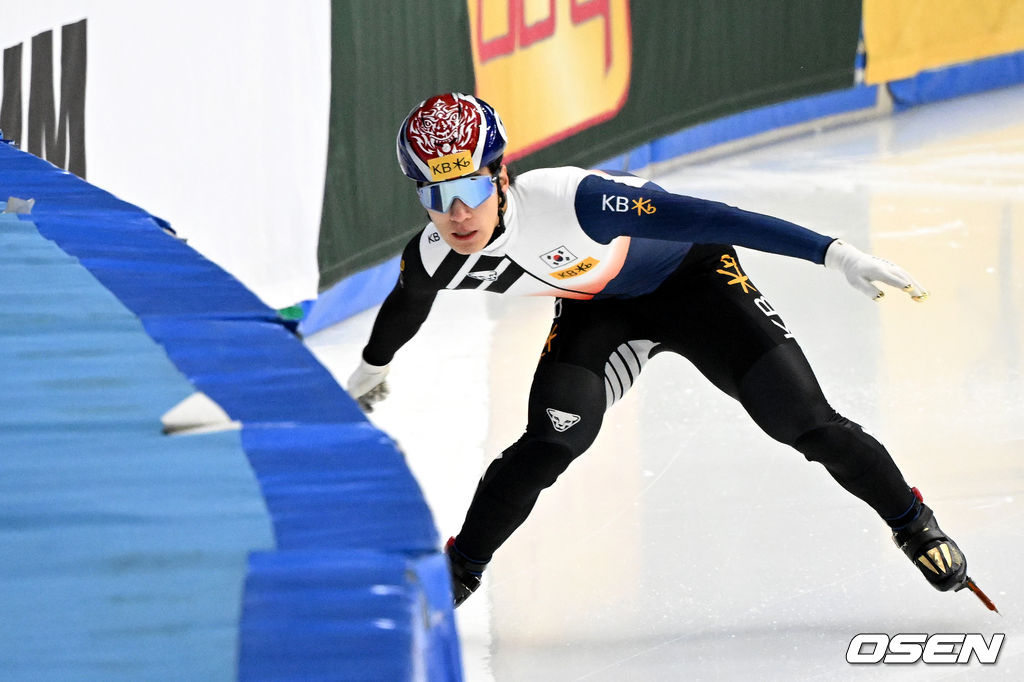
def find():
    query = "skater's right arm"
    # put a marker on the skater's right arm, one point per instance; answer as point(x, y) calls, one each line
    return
point(399, 318)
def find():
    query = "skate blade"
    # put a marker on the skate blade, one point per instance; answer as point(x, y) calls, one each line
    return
point(973, 587)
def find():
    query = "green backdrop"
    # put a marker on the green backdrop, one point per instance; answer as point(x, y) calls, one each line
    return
point(693, 61)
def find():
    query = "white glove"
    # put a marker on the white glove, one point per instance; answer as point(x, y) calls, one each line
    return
point(861, 269)
point(367, 385)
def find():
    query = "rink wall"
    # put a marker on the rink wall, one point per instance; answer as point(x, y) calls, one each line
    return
point(126, 550)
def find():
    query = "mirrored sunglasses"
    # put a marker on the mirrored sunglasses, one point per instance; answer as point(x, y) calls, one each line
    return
point(472, 190)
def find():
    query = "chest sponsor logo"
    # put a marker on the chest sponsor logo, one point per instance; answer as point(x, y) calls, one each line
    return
point(558, 258)
point(580, 268)
point(620, 204)
point(562, 421)
point(484, 275)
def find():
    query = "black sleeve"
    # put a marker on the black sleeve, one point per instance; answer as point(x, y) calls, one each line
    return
point(404, 310)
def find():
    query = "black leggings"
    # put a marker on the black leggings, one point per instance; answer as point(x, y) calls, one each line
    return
point(709, 312)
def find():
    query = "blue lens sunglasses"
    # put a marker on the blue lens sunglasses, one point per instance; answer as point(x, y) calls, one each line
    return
point(472, 190)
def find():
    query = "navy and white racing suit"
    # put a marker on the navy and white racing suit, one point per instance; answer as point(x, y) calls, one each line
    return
point(635, 271)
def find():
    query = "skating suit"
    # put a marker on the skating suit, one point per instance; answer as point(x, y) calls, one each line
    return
point(636, 271)
point(578, 234)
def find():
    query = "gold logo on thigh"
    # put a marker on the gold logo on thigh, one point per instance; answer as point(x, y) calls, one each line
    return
point(737, 277)
point(551, 337)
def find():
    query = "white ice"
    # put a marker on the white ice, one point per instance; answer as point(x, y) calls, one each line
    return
point(687, 545)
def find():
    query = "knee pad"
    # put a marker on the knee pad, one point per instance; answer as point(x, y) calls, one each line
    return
point(841, 445)
point(567, 404)
point(858, 462)
point(530, 465)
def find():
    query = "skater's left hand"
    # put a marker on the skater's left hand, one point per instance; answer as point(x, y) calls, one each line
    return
point(862, 269)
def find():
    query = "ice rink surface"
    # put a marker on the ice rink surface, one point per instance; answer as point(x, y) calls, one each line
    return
point(686, 544)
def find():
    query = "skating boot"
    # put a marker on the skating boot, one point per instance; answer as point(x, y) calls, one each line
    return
point(465, 572)
point(932, 551)
point(935, 554)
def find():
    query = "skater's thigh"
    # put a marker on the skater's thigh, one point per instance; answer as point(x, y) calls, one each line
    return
point(721, 322)
point(612, 339)
point(570, 390)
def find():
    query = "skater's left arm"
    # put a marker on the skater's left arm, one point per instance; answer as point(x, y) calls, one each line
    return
point(607, 209)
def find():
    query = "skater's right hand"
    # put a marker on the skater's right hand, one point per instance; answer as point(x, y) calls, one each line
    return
point(367, 385)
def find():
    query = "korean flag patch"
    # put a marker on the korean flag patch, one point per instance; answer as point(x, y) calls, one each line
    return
point(558, 258)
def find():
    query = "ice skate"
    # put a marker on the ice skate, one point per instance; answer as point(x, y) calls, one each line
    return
point(935, 554)
point(465, 572)
point(932, 551)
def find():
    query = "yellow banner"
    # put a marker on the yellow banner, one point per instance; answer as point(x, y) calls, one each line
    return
point(904, 37)
point(550, 67)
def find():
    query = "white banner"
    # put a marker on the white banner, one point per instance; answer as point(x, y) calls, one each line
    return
point(212, 115)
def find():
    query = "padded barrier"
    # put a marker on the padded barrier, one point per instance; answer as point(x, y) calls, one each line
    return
point(351, 295)
point(958, 80)
point(124, 552)
point(320, 604)
point(355, 587)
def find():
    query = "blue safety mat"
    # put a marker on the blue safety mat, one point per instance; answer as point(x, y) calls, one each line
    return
point(957, 80)
point(300, 604)
point(125, 552)
point(336, 490)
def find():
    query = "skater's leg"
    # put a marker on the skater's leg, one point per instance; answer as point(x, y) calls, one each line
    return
point(735, 337)
point(566, 409)
point(782, 395)
point(742, 345)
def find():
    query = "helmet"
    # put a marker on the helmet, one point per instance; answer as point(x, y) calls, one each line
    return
point(448, 136)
